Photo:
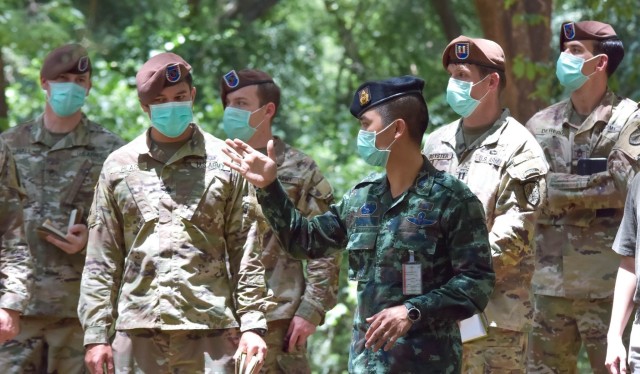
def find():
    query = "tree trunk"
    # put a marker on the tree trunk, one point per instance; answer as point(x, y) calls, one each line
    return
point(4, 109)
point(448, 20)
point(516, 30)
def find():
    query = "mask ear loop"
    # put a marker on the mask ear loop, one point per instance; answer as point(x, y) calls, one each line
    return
point(383, 130)
point(480, 81)
point(594, 69)
point(261, 122)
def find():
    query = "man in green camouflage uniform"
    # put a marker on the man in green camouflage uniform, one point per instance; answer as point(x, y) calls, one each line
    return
point(503, 165)
point(15, 258)
point(591, 144)
point(416, 237)
point(166, 217)
point(301, 304)
point(59, 156)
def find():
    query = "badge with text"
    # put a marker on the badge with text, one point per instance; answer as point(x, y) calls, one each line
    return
point(411, 276)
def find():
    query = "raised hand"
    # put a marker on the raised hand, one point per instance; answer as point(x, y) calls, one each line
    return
point(255, 167)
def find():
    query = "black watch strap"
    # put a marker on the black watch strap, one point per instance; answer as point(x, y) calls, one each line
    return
point(259, 331)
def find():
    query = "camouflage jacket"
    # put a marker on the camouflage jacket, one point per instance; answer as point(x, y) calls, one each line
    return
point(15, 258)
point(505, 168)
point(581, 215)
point(438, 219)
point(58, 177)
point(311, 194)
point(161, 230)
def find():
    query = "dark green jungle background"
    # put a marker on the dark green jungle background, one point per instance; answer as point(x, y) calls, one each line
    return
point(319, 51)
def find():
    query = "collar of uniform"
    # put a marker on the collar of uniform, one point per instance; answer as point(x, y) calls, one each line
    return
point(492, 136)
point(601, 113)
point(194, 147)
point(79, 137)
point(425, 177)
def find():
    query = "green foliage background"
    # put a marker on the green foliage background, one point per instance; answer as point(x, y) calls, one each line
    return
point(318, 51)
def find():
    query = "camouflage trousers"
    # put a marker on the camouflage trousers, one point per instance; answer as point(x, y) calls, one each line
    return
point(278, 360)
point(180, 351)
point(561, 326)
point(501, 352)
point(44, 345)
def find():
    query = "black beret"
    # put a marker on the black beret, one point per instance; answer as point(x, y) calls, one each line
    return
point(374, 93)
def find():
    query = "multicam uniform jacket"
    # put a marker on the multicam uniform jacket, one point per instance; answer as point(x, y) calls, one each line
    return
point(438, 219)
point(58, 176)
point(16, 265)
point(311, 194)
point(581, 215)
point(160, 232)
point(505, 168)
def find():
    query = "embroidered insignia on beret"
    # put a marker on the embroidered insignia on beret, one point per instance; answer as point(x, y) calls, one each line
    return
point(365, 96)
point(83, 64)
point(462, 50)
point(569, 30)
point(231, 79)
point(173, 73)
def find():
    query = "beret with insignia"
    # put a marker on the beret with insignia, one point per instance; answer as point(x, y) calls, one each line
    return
point(585, 30)
point(374, 93)
point(233, 81)
point(476, 51)
point(70, 58)
point(160, 70)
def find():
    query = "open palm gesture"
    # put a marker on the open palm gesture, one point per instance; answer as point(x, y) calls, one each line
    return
point(255, 167)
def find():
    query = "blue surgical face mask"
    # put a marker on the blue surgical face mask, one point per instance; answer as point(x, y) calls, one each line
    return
point(459, 97)
point(235, 123)
point(66, 98)
point(569, 71)
point(171, 119)
point(368, 150)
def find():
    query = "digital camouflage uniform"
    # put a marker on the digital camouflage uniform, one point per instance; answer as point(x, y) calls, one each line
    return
point(438, 218)
point(160, 232)
point(16, 265)
point(311, 194)
point(575, 267)
point(505, 169)
point(58, 176)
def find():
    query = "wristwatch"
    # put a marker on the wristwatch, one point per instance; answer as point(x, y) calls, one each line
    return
point(413, 313)
point(259, 331)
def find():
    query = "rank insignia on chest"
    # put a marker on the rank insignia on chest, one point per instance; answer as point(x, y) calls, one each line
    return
point(368, 208)
point(231, 79)
point(462, 50)
point(569, 30)
point(422, 181)
point(420, 219)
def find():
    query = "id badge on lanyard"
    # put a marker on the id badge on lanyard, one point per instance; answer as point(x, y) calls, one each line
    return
point(412, 276)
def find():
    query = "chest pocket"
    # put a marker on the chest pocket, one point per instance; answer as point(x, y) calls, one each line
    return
point(205, 204)
point(421, 241)
point(362, 254)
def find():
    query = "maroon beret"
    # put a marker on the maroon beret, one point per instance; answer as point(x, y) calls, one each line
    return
point(159, 70)
point(585, 30)
point(465, 50)
point(233, 81)
point(70, 58)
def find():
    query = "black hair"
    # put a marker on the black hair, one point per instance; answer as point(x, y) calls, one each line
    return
point(614, 50)
point(412, 109)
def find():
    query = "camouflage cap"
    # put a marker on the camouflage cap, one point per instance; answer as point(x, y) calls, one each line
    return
point(476, 51)
point(233, 81)
point(159, 70)
point(70, 58)
point(585, 30)
point(374, 93)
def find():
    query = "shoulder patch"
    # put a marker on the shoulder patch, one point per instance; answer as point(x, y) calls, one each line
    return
point(532, 192)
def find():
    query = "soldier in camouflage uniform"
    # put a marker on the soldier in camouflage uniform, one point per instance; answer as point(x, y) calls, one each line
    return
point(15, 258)
point(503, 165)
point(591, 144)
point(166, 216)
point(59, 156)
point(301, 304)
point(416, 237)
